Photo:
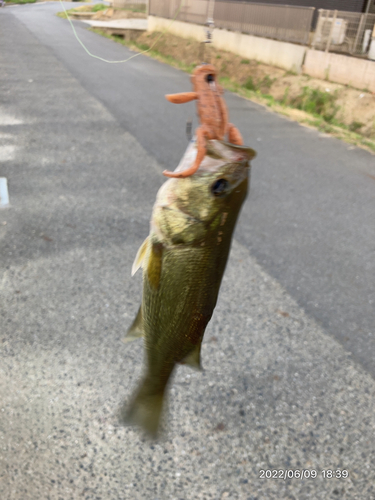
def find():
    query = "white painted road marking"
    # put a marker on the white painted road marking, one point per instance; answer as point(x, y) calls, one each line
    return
point(4, 196)
point(7, 119)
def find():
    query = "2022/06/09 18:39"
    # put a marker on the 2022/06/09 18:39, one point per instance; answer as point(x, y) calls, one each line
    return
point(303, 474)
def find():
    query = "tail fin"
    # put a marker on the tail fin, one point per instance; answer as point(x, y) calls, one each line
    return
point(145, 410)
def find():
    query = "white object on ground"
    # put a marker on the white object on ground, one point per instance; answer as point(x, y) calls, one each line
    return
point(4, 196)
point(130, 24)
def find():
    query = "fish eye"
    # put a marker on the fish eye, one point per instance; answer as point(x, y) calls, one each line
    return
point(219, 187)
point(210, 78)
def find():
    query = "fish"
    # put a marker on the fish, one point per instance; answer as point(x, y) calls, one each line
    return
point(183, 260)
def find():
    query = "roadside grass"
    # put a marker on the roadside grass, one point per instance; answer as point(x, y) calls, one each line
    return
point(319, 112)
point(311, 107)
point(83, 8)
point(354, 126)
point(317, 102)
point(250, 85)
point(95, 8)
point(142, 47)
point(63, 15)
point(99, 6)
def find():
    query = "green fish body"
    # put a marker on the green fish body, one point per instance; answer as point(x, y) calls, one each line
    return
point(183, 261)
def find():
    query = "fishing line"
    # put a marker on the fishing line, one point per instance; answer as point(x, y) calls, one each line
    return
point(131, 57)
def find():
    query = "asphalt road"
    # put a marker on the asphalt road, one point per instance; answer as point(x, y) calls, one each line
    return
point(288, 357)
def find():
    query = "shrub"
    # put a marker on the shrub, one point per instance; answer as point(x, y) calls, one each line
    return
point(354, 126)
point(249, 84)
point(99, 6)
point(266, 83)
point(317, 102)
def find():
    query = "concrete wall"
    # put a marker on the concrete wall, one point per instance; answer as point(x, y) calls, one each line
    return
point(284, 55)
point(179, 28)
point(359, 73)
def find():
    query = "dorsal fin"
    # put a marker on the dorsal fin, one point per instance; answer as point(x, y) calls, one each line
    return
point(139, 258)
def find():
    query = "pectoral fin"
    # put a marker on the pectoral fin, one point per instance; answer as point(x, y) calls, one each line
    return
point(140, 257)
point(136, 329)
point(193, 359)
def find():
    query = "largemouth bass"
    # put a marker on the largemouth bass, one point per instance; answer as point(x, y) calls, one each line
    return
point(183, 261)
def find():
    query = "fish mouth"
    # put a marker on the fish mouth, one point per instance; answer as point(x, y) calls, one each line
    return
point(241, 153)
point(226, 152)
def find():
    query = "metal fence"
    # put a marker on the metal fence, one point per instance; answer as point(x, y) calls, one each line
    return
point(122, 4)
point(280, 22)
point(341, 31)
point(190, 11)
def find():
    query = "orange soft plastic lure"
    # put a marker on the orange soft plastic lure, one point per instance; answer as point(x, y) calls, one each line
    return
point(212, 112)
